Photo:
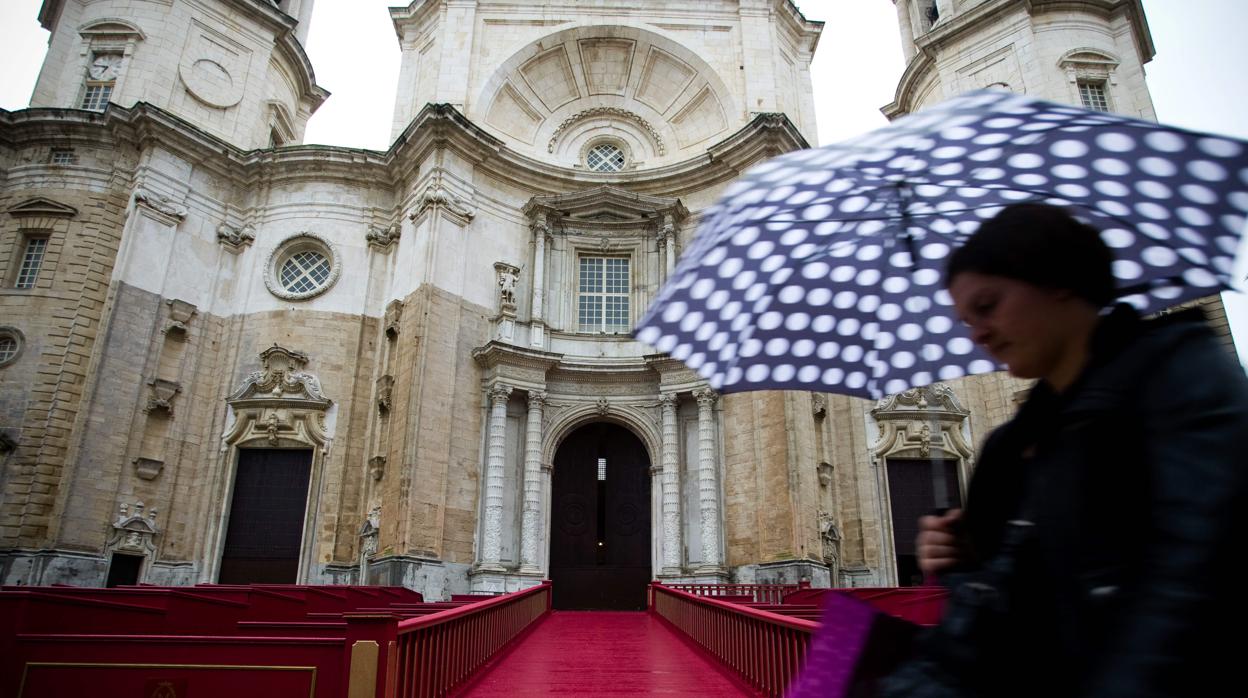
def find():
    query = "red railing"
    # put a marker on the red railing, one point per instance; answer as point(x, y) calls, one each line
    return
point(438, 652)
point(765, 649)
point(758, 593)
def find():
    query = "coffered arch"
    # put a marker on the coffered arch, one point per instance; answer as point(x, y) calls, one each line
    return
point(657, 99)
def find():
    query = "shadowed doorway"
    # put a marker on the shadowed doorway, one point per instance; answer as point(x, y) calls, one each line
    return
point(600, 520)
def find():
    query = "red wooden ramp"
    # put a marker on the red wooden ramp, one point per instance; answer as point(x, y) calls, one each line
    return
point(598, 653)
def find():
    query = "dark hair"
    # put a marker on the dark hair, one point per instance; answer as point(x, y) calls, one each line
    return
point(1043, 245)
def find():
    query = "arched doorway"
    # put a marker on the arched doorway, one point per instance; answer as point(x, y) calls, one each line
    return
point(600, 520)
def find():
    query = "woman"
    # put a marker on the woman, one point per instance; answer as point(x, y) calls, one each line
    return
point(1094, 557)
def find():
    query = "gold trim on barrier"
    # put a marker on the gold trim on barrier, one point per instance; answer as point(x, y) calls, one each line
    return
point(362, 681)
point(129, 665)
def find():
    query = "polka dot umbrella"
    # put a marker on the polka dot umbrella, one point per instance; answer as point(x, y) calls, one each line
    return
point(821, 269)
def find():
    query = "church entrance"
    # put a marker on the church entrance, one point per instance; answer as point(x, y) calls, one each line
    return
point(266, 517)
point(600, 520)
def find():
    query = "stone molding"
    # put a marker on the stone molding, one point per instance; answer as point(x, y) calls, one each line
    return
point(280, 402)
point(609, 112)
point(133, 532)
point(383, 239)
point(161, 204)
point(393, 319)
point(39, 207)
point(180, 314)
point(148, 468)
point(437, 196)
point(161, 398)
point(235, 239)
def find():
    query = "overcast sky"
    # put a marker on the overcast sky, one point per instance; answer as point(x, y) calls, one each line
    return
point(1197, 79)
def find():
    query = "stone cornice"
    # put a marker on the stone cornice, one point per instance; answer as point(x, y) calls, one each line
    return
point(494, 354)
point(437, 126)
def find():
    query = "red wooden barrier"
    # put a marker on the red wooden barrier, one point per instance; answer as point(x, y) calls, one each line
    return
point(764, 648)
point(440, 651)
point(758, 593)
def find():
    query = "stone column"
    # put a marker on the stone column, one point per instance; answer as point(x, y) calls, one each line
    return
point(667, 237)
point(532, 485)
point(540, 230)
point(491, 544)
point(708, 483)
point(671, 488)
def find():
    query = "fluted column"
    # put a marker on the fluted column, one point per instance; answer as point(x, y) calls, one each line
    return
point(671, 488)
point(491, 545)
point(708, 483)
point(540, 230)
point(532, 484)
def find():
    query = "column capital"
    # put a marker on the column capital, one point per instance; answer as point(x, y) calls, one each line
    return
point(537, 398)
point(499, 393)
point(668, 399)
point(706, 397)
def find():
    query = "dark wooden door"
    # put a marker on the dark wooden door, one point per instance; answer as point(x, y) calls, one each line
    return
point(600, 520)
point(917, 487)
point(266, 517)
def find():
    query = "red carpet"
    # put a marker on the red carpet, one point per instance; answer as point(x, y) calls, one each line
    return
point(604, 653)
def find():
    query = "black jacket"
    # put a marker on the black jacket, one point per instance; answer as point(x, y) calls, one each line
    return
point(1137, 481)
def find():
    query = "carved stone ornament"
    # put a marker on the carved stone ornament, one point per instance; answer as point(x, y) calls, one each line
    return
point(377, 467)
point(507, 276)
point(394, 318)
point(609, 112)
point(603, 407)
point(369, 532)
point(383, 238)
point(825, 473)
point(133, 531)
point(919, 422)
point(159, 203)
point(385, 393)
point(830, 538)
point(180, 313)
point(236, 238)
point(148, 468)
point(280, 402)
point(161, 398)
point(436, 194)
point(818, 405)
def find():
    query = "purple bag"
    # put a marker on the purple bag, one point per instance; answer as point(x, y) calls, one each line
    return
point(855, 645)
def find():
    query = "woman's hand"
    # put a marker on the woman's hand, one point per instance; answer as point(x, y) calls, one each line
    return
point(939, 546)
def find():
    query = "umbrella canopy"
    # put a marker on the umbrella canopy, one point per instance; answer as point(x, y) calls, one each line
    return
point(821, 269)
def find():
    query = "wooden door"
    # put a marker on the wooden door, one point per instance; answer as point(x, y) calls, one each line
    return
point(265, 532)
point(917, 487)
point(600, 520)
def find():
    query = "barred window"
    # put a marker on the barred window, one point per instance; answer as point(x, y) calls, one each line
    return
point(97, 95)
point(8, 348)
point(305, 271)
point(1092, 95)
point(603, 294)
point(32, 259)
point(605, 157)
point(62, 156)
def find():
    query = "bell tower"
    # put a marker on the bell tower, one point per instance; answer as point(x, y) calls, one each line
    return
point(235, 69)
point(1090, 53)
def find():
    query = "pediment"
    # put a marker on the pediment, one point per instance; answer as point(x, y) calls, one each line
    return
point(41, 207)
point(606, 203)
point(110, 27)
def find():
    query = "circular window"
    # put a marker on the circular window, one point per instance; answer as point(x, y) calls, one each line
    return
point(605, 157)
point(10, 345)
point(302, 267)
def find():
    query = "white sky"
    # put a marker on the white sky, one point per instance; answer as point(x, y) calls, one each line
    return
point(1197, 79)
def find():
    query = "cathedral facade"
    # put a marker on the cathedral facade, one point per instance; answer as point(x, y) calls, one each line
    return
point(226, 356)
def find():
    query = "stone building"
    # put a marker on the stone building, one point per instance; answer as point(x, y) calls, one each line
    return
point(226, 356)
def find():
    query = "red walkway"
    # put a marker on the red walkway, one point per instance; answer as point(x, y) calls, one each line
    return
point(601, 653)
